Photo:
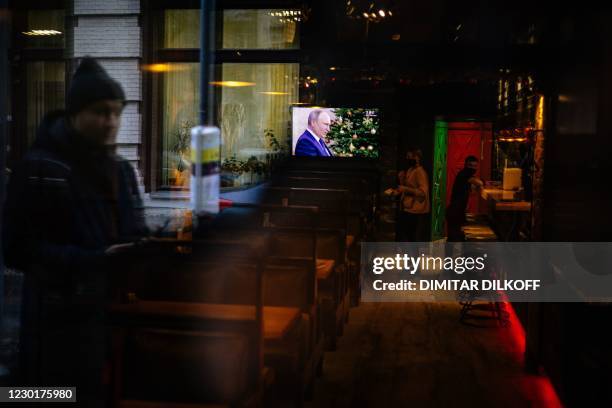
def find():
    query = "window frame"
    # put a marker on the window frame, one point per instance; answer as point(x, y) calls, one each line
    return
point(153, 53)
point(20, 56)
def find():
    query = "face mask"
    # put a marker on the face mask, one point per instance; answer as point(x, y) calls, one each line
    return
point(412, 162)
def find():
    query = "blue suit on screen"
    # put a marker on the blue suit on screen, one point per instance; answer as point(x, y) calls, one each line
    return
point(307, 145)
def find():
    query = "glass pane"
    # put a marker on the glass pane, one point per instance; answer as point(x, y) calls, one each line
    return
point(45, 92)
point(261, 29)
point(254, 117)
point(45, 29)
point(182, 28)
point(181, 99)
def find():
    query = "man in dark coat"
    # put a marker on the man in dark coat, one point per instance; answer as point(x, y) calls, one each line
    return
point(72, 210)
point(465, 182)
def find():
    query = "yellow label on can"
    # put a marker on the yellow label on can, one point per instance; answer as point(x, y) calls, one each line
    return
point(207, 155)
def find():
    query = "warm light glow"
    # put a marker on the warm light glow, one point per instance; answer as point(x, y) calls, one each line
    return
point(232, 84)
point(381, 13)
point(157, 68)
point(396, 37)
point(366, 15)
point(513, 139)
point(390, 13)
point(41, 32)
point(274, 93)
point(332, 68)
point(564, 98)
point(539, 116)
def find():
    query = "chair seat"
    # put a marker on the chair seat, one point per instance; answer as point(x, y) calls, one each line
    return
point(277, 321)
point(324, 268)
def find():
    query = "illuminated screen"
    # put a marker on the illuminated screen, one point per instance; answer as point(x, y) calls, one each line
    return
point(335, 132)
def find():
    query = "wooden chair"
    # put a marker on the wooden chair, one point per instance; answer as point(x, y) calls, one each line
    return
point(200, 354)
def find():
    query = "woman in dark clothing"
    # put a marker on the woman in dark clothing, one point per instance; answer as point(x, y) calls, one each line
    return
point(72, 208)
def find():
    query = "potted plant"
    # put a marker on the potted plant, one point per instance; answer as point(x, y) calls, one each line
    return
point(255, 167)
point(231, 170)
point(182, 148)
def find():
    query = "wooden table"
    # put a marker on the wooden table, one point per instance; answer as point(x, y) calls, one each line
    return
point(497, 196)
point(277, 321)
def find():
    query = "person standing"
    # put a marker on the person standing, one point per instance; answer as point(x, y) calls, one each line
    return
point(414, 208)
point(465, 182)
point(73, 208)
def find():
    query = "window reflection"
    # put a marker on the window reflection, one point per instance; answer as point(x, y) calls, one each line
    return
point(261, 29)
point(45, 92)
point(45, 29)
point(254, 120)
point(182, 28)
point(181, 99)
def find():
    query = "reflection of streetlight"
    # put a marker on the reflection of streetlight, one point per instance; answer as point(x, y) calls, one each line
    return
point(232, 84)
point(41, 32)
point(157, 68)
point(274, 93)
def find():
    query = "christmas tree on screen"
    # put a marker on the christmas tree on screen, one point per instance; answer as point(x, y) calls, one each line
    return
point(354, 133)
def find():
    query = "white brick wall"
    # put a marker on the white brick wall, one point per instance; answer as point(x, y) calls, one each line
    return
point(108, 31)
point(129, 132)
point(107, 37)
point(106, 7)
point(128, 152)
point(127, 73)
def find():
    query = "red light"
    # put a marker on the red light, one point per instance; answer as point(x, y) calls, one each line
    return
point(540, 390)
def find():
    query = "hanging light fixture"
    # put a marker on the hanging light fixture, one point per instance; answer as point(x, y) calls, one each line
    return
point(374, 11)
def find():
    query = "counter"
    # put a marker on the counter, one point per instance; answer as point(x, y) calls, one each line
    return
point(504, 200)
point(510, 218)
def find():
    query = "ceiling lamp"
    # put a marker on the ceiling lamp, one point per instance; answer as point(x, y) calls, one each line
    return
point(232, 84)
point(41, 32)
point(374, 11)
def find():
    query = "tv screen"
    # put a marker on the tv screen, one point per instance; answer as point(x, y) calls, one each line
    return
point(335, 132)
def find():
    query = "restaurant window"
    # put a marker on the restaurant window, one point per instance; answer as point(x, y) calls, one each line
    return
point(261, 29)
point(253, 98)
point(254, 118)
point(38, 73)
point(181, 99)
point(45, 29)
point(45, 92)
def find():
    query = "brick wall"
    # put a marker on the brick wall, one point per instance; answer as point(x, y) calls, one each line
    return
point(110, 32)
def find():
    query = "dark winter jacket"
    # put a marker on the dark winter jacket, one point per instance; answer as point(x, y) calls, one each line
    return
point(67, 202)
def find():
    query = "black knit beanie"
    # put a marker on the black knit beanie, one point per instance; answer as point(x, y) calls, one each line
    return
point(89, 84)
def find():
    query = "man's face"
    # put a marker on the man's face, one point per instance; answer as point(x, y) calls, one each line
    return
point(472, 165)
point(321, 125)
point(411, 156)
point(99, 122)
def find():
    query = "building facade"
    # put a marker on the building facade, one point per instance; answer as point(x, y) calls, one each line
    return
point(152, 49)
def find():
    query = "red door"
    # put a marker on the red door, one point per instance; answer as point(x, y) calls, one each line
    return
point(468, 139)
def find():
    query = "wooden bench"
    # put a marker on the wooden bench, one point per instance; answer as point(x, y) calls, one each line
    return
point(193, 353)
point(219, 270)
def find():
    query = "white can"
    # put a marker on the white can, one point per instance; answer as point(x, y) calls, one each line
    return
point(205, 169)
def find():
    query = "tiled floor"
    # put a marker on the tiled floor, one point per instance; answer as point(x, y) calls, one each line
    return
point(419, 355)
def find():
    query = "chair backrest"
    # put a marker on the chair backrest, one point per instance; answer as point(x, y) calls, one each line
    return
point(190, 366)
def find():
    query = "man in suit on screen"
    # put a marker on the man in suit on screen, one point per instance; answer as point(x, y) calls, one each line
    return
point(312, 141)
